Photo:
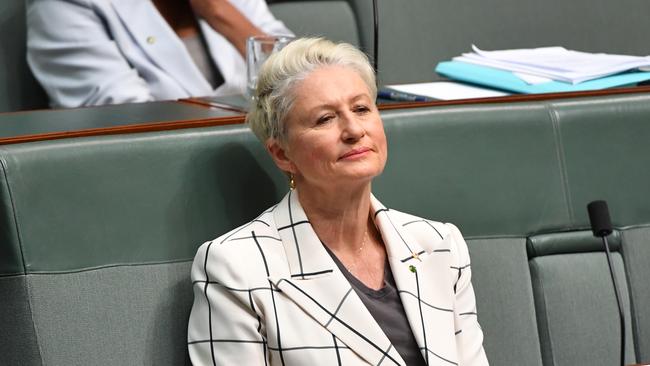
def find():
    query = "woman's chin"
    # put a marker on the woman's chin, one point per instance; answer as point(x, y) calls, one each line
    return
point(354, 179)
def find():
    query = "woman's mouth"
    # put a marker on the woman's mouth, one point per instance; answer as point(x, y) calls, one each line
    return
point(355, 153)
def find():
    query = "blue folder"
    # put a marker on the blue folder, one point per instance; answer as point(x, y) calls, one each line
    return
point(505, 80)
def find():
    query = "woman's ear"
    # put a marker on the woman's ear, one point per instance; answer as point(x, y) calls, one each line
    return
point(279, 155)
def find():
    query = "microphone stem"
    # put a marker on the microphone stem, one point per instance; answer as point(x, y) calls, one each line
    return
point(375, 13)
point(619, 301)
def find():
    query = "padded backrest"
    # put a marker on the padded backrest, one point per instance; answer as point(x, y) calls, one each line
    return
point(636, 251)
point(505, 302)
point(333, 19)
point(456, 164)
point(524, 169)
point(98, 236)
point(486, 169)
point(607, 155)
point(575, 301)
point(18, 88)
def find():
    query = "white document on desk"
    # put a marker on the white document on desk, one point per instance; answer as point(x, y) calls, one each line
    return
point(447, 90)
point(556, 63)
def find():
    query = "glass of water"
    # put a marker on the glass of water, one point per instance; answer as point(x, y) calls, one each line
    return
point(258, 49)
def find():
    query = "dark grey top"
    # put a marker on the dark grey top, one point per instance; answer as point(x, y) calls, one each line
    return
point(387, 309)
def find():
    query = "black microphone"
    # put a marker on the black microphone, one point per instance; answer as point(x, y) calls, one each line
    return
point(601, 226)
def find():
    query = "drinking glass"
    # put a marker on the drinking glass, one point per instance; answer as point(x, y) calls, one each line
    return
point(258, 49)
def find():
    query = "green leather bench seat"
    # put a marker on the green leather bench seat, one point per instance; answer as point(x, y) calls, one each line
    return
point(507, 173)
point(334, 19)
point(97, 234)
point(607, 155)
point(575, 299)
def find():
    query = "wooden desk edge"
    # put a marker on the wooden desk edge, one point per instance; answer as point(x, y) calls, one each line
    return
point(238, 119)
point(134, 128)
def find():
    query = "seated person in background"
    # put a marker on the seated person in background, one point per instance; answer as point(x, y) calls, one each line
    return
point(329, 275)
point(95, 52)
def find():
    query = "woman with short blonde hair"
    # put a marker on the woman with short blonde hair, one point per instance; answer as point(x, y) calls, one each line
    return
point(329, 275)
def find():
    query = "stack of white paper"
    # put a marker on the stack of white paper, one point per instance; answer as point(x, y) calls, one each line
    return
point(447, 90)
point(539, 65)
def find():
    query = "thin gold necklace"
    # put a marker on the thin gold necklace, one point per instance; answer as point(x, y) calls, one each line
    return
point(363, 242)
point(355, 265)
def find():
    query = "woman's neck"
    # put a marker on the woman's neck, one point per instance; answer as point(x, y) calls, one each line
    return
point(340, 218)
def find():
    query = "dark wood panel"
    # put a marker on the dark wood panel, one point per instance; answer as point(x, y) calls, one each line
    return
point(143, 127)
point(52, 124)
point(194, 113)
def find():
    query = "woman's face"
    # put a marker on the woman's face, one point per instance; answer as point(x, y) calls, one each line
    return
point(334, 133)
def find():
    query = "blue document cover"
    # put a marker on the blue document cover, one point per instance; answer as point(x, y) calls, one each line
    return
point(505, 80)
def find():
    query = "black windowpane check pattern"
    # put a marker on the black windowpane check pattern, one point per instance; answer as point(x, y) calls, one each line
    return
point(267, 293)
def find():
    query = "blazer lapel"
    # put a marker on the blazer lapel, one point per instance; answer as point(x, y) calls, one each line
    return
point(159, 41)
point(230, 63)
point(320, 289)
point(422, 276)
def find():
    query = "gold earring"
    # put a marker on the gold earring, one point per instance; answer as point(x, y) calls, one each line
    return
point(292, 183)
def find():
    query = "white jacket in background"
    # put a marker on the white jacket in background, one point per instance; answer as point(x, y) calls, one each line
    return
point(95, 52)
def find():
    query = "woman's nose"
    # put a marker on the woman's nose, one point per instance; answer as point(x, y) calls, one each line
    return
point(352, 129)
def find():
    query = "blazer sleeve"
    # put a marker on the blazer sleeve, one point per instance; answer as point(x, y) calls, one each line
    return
point(469, 336)
point(72, 55)
point(225, 326)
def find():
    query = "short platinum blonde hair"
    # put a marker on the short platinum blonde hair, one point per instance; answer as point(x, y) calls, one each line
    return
point(274, 96)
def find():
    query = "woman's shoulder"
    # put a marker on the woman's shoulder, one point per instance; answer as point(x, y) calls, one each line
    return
point(415, 224)
point(431, 234)
point(257, 230)
point(250, 245)
point(418, 224)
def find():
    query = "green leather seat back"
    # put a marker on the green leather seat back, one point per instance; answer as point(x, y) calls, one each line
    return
point(636, 253)
point(89, 203)
point(333, 19)
point(463, 158)
point(575, 302)
point(505, 173)
point(607, 156)
point(455, 164)
point(99, 233)
point(104, 228)
point(18, 88)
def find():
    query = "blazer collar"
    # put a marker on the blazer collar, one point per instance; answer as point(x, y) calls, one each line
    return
point(167, 51)
point(305, 252)
point(422, 276)
point(320, 289)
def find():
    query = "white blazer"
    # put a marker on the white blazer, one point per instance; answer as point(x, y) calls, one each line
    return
point(268, 293)
point(93, 52)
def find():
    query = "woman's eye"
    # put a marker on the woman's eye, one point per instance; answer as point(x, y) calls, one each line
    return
point(361, 109)
point(324, 119)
